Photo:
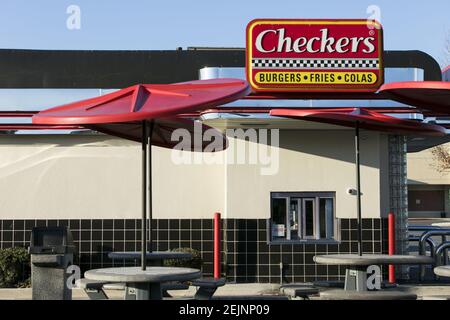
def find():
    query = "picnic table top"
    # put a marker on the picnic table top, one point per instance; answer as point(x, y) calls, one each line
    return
point(441, 224)
point(136, 274)
point(370, 259)
point(442, 271)
point(155, 255)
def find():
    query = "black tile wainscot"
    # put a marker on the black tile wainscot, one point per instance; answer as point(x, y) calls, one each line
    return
point(247, 255)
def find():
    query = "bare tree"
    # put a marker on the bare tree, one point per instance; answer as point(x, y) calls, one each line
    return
point(441, 158)
point(446, 54)
point(441, 154)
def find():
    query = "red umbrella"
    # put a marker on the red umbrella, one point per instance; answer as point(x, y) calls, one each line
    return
point(145, 102)
point(431, 96)
point(360, 118)
point(366, 119)
point(147, 113)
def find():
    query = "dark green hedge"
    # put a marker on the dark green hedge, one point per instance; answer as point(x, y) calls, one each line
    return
point(196, 261)
point(15, 268)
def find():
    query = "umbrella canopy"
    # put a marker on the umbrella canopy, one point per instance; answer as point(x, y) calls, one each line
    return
point(145, 102)
point(121, 113)
point(366, 119)
point(356, 118)
point(433, 96)
point(148, 113)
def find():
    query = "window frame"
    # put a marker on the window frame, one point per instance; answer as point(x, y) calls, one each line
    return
point(314, 218)
point(316, 195)
point(286, 216)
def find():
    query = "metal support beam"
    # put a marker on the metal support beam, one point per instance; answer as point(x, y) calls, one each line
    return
point(144, 196)
point(119, 69)
point(149, 187)
point(358, 188)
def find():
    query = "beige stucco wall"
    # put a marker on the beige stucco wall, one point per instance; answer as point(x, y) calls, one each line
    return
point(81, 176)
point(314, 161)
point(61, 177)
point(423, 175)
point(422, 169)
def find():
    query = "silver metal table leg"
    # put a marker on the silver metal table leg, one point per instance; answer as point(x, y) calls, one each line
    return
point(356, 279)
point(147, 291)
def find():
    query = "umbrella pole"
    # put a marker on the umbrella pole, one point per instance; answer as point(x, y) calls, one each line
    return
point(150, 198)
point(358, 188)
point(144, 197)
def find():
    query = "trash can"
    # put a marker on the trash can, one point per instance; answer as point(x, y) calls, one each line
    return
point(51, 250)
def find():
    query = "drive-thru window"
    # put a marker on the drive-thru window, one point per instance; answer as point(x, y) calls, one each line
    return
point(302, 216)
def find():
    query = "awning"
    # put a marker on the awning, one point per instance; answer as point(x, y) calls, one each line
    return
point(366, 119)
point(431, 96)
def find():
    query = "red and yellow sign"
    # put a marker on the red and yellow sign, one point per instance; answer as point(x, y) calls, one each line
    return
point(314, 55)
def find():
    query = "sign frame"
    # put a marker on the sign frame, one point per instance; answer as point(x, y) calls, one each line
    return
point(318, 87)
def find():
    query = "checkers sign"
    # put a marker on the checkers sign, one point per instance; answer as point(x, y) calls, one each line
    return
point(314, 55)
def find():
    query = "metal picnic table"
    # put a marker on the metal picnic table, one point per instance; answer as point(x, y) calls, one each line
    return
point(146, 283)
point(356, 265)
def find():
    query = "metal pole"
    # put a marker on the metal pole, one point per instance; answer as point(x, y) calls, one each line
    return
point(150, 199)
point(391, 244)
point(144, 197)
point(445, 253)
point(358, 188)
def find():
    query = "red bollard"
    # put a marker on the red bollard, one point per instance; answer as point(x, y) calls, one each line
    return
point(217, 245)
point(391, 243)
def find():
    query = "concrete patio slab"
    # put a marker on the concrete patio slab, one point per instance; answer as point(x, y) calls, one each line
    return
point(248, 291)
point(244, 290)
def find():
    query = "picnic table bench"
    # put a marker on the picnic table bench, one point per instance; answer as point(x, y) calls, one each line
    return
point(155, 258)
point(366, 295)
point(298, 291)
point(93, 288)
point(207, 287)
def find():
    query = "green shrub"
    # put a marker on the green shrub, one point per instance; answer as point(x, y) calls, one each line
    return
point(196, 261)
point(14, 268)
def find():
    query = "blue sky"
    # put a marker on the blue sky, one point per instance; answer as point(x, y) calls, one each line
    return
point(135, 24)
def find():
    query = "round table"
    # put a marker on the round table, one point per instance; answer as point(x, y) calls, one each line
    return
point(356, 272)
point(146, 283)
point(442, 271)
point(370, 259)
point(155, 258)
point(441, 224)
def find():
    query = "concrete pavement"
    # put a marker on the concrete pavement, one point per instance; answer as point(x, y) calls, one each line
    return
point(248, 291)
